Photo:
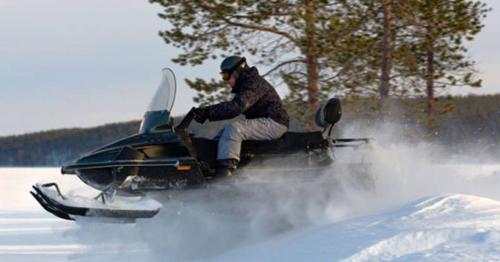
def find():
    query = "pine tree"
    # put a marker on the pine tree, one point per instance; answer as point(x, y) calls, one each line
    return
point(436, 36)
point(305, 43)
point(386, 49)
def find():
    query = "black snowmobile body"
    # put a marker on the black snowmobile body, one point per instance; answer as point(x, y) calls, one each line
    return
point(166, 159)
point(162, 156)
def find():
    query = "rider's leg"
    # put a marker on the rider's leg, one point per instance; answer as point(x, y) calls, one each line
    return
point(235, 133)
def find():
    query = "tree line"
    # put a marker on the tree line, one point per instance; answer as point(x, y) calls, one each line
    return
point(60, 146)
point(460, 121)
point(321, 48)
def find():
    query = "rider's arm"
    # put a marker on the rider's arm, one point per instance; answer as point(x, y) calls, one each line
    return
point(243, 100)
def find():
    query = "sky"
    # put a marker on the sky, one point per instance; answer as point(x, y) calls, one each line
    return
point(86, 63)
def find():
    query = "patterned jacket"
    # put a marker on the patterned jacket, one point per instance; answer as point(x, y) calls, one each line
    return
point(254, 97)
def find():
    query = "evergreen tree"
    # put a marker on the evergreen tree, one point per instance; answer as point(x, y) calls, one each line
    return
point(436, 35)
point(305, 43)
point(386, 49)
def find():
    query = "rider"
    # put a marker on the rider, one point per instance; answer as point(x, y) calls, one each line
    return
point(266, 119)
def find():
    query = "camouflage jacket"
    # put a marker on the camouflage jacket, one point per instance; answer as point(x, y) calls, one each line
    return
point(254, 97)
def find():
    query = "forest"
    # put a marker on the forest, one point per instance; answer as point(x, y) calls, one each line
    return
point(461, 122)
point(381, 49)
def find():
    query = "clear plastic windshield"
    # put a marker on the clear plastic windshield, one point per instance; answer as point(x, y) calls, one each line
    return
point(159, 109)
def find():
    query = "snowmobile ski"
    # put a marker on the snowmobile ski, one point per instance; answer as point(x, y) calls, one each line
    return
point(59, 205)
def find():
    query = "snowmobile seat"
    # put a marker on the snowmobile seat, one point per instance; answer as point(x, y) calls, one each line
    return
point(290, 142)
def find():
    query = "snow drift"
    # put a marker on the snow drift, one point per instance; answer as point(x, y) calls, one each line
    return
point(452, 227)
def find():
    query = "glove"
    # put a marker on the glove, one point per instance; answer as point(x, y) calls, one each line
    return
point(201, 114)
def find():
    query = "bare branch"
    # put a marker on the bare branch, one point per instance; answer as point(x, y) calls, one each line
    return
point(282, 64)
point(263, 28)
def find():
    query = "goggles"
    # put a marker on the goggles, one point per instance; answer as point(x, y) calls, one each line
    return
point(225, 75)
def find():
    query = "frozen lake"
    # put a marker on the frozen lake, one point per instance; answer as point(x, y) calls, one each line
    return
point(430, 212)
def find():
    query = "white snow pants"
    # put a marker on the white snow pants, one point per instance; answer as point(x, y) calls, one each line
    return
point(234, 133)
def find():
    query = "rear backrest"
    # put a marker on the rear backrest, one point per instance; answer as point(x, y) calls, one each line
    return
point(329, 113)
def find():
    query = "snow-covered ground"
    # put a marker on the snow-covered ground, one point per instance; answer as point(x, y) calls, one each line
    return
point(412, 209)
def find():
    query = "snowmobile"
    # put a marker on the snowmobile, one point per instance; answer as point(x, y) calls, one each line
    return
point(162, 156)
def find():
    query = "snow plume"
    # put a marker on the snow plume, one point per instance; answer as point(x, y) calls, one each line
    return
point(404, 170)
point(261, 204)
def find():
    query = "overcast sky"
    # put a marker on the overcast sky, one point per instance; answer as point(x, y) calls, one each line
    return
point(85, 63)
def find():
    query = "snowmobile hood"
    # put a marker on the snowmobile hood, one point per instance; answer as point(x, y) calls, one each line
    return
point(164, 148)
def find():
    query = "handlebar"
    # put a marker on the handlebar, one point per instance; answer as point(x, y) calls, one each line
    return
point(186, 121)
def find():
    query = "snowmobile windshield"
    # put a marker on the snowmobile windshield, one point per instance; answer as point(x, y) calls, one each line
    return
point(157, 116)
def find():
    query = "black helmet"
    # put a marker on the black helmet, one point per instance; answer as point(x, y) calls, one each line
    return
point(230, 65)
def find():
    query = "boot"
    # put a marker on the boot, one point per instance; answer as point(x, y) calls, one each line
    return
point(225, 167)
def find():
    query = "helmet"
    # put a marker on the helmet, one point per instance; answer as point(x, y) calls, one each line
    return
point(230, 65)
